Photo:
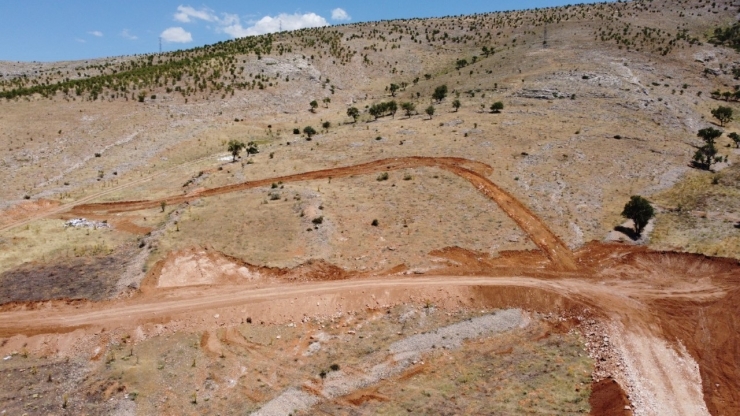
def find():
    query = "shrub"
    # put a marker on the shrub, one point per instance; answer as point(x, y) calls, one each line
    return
point(639, 210)
point(382, 177)
point(309, 131)
point(497, 107)
point(374, 223)
point(318, 220)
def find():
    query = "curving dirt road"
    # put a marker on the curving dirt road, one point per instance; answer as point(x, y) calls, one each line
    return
point(473, 172)
point(670, 383)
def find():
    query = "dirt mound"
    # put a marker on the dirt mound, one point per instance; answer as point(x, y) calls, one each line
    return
point(608, 398)
point(462, 261)
point(315, 270)
point(195, 266)
point(709, 331)
point(199, 266)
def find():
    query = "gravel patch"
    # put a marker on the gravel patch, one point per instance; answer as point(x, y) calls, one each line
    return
point(404, 354)
point(452, 336)
point(287, 403)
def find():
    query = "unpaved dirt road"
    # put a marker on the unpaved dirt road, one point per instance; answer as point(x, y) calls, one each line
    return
point(668, 379)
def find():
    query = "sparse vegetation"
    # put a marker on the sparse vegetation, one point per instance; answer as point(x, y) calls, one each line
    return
point(707, 154)
point(309, 131)
point(440, 93)
point(354, 113)
point(723, 114)
point(639, 210)
point(430, 111)
point(235, 147)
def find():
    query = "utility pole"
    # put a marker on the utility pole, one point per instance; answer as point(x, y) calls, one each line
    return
point(281, 25)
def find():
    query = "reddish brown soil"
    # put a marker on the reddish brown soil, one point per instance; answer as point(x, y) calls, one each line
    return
point(608, 399)
point(684, 299)
point(26, 210)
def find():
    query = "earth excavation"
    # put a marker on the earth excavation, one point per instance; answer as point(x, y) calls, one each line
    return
point(522, 212)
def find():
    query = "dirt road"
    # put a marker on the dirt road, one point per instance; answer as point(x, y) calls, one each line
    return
point(666, 376)
point(474, 172)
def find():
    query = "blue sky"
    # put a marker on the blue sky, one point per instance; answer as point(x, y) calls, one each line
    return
point(52, 30)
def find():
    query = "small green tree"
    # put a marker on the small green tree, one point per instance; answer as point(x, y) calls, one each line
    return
point(375, 110)
point(234, 147)
point(723, 114)
point(408, 108)
point(707, 154)
point(354, 113)
point(392, 107)
point(309, 131)
point(326, 125)
point(440, 93)
point(456, 105)
point(393, 88)
point(735, 138)
point(326, 101)
point(313, 105)
point(430, 111)
point(639, 210)
point(252, 148)
point(497, 107)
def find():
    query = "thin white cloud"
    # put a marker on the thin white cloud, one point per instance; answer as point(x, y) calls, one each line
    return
point(128, 35)
point(186, 14)
point(176, 35)
point(232, 25)
point(340, 14)
point(96, 33)
point(80, 40)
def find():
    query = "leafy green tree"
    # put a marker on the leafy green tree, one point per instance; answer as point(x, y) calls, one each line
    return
point(723, 114)
point(326, 101)
point(392, 107)
point(313, 105)
point(440, 93)
point(735, 138)
point(393, 88)
point(497, 107)
point(639, 210)
point(375, 110)
point(252, 148)
point(354, 113)
point(309, 131)
point(456, 105)
point(430, 111)
point(461, 63)
point(326, 125)
point(234, 147)
point(707, 154)
point(408, 108)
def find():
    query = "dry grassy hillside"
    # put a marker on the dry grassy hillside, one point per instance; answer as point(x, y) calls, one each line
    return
point(600, 102)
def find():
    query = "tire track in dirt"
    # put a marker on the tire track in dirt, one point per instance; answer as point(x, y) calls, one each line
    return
point(69, 206)
point(474, 172)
